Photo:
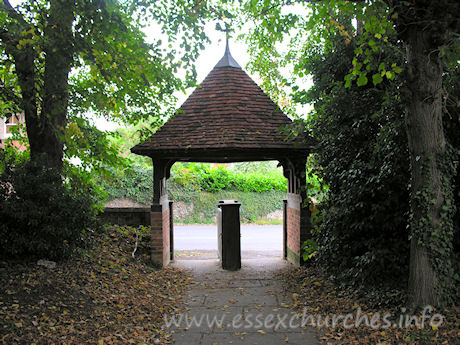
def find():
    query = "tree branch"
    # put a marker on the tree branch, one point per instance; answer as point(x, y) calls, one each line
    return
point(293, 2)
point(12, 12)
point(3, 35)
point(12, 36)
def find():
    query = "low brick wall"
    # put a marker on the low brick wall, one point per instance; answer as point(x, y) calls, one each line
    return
point(159, 233)
point(293, 228)
point(156, 235)
point(166, 232)
point(132, 216)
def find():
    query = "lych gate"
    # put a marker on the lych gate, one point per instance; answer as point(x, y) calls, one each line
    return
point(228, 119)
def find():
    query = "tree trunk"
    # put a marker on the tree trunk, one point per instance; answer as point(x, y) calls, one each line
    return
point(24, 56)
point(47, 149)
point(25, 70)
point(427, 144)
point(45, 122)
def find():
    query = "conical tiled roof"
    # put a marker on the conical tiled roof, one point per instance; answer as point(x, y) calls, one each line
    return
point(228, 116)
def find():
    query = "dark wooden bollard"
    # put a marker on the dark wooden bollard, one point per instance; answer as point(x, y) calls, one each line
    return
point(171, 230)
point(229, 234)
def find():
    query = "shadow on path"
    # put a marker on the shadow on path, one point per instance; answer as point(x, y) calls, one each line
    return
point(239, 308)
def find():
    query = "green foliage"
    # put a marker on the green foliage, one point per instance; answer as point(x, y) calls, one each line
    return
point(376, 37)
point(263, 167)
point(309, 249)
point(40, 217)
point(92, 148)
point(202, 186)
point(125, 138)
point(115, 72)
point(254, 206)
point(375, 40)
point(214, 179)
point(135, 183)
point(362, 156)
point(11, 156)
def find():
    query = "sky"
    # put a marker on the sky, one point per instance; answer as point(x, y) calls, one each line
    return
point(207, 60)
point(212, 53)
point(205, 63)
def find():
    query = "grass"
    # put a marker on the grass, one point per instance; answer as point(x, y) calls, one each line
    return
point(264, 221)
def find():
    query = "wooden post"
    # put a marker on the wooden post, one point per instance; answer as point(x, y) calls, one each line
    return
point(231, 233)
point(171, 230)
point(158, 175)
point(285, 229)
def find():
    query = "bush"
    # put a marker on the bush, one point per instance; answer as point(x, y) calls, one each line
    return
point(42, 218)
point(217, 179)
point(253, 205)
point(362, 156)
point(135, 183)
point(260, 187)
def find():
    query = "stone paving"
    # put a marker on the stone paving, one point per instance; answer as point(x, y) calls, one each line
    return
point(243, 308)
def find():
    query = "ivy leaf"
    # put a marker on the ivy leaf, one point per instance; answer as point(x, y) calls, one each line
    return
point(362, 80)
point(377, 78)
point(390, 75)
point(397, 69)
point(347, 81)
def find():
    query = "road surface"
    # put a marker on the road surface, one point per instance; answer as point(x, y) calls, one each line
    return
point(256, 240)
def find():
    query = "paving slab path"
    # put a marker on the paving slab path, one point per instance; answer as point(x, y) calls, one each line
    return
point(240, 308)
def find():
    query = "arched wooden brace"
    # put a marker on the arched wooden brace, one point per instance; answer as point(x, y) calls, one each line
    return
point(161, 172)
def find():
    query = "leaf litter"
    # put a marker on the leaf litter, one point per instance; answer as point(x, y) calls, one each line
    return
point(312, 290)
point(104, 296)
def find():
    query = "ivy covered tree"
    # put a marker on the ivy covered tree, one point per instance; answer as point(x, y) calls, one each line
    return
point(428, 31)
point(362, 156)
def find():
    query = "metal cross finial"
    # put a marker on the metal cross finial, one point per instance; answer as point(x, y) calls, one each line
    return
point(227, 31)
point(227, 59)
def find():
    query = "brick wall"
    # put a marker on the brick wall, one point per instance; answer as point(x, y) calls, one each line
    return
point(293, 228)
point(166, 228)
point(156, 236)
point(159, 233)
point(132, 216)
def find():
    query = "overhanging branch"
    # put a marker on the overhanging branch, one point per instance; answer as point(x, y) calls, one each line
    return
point(12, 33)
point(293, 2)
point(6, 6)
